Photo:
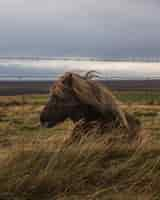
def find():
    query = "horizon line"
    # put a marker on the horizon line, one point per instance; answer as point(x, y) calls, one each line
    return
point(83, 58)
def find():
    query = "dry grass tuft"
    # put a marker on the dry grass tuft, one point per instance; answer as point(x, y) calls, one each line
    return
point(92, 168)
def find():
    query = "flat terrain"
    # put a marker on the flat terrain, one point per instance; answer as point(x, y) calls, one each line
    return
point(35, 163)
point(42, 87)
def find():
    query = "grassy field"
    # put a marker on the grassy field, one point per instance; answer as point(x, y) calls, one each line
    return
point(35, 163)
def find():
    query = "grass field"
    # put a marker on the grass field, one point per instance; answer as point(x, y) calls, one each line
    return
point(36, 164)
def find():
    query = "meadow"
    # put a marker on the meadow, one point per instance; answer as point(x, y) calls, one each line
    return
point(35, 163)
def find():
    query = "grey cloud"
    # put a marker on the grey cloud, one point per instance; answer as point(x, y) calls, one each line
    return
point(101, 28)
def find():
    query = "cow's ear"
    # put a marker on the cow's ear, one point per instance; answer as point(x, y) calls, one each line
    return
point(68, 79)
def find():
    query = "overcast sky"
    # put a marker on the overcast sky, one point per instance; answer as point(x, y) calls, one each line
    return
point(102, 28)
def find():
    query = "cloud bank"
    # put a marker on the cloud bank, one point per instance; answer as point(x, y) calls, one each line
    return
point(117, 28)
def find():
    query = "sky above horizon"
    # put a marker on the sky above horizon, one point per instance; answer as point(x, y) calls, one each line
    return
point(91, 28)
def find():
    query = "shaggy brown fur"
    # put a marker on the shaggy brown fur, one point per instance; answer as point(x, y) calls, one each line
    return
point(80, 98)
point(100, 127)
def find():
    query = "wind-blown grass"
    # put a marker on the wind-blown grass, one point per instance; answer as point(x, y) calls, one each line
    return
point(88, 169)
point(37, 163)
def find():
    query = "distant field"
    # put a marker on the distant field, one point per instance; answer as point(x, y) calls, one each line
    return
point(34, 164)
point(42, 87)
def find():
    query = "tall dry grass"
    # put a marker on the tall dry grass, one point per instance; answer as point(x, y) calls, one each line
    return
point(96, 168)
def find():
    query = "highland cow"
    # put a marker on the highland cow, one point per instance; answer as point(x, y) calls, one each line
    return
point(83, 99)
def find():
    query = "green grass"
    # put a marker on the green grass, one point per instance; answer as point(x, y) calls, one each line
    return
point(139, 97)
